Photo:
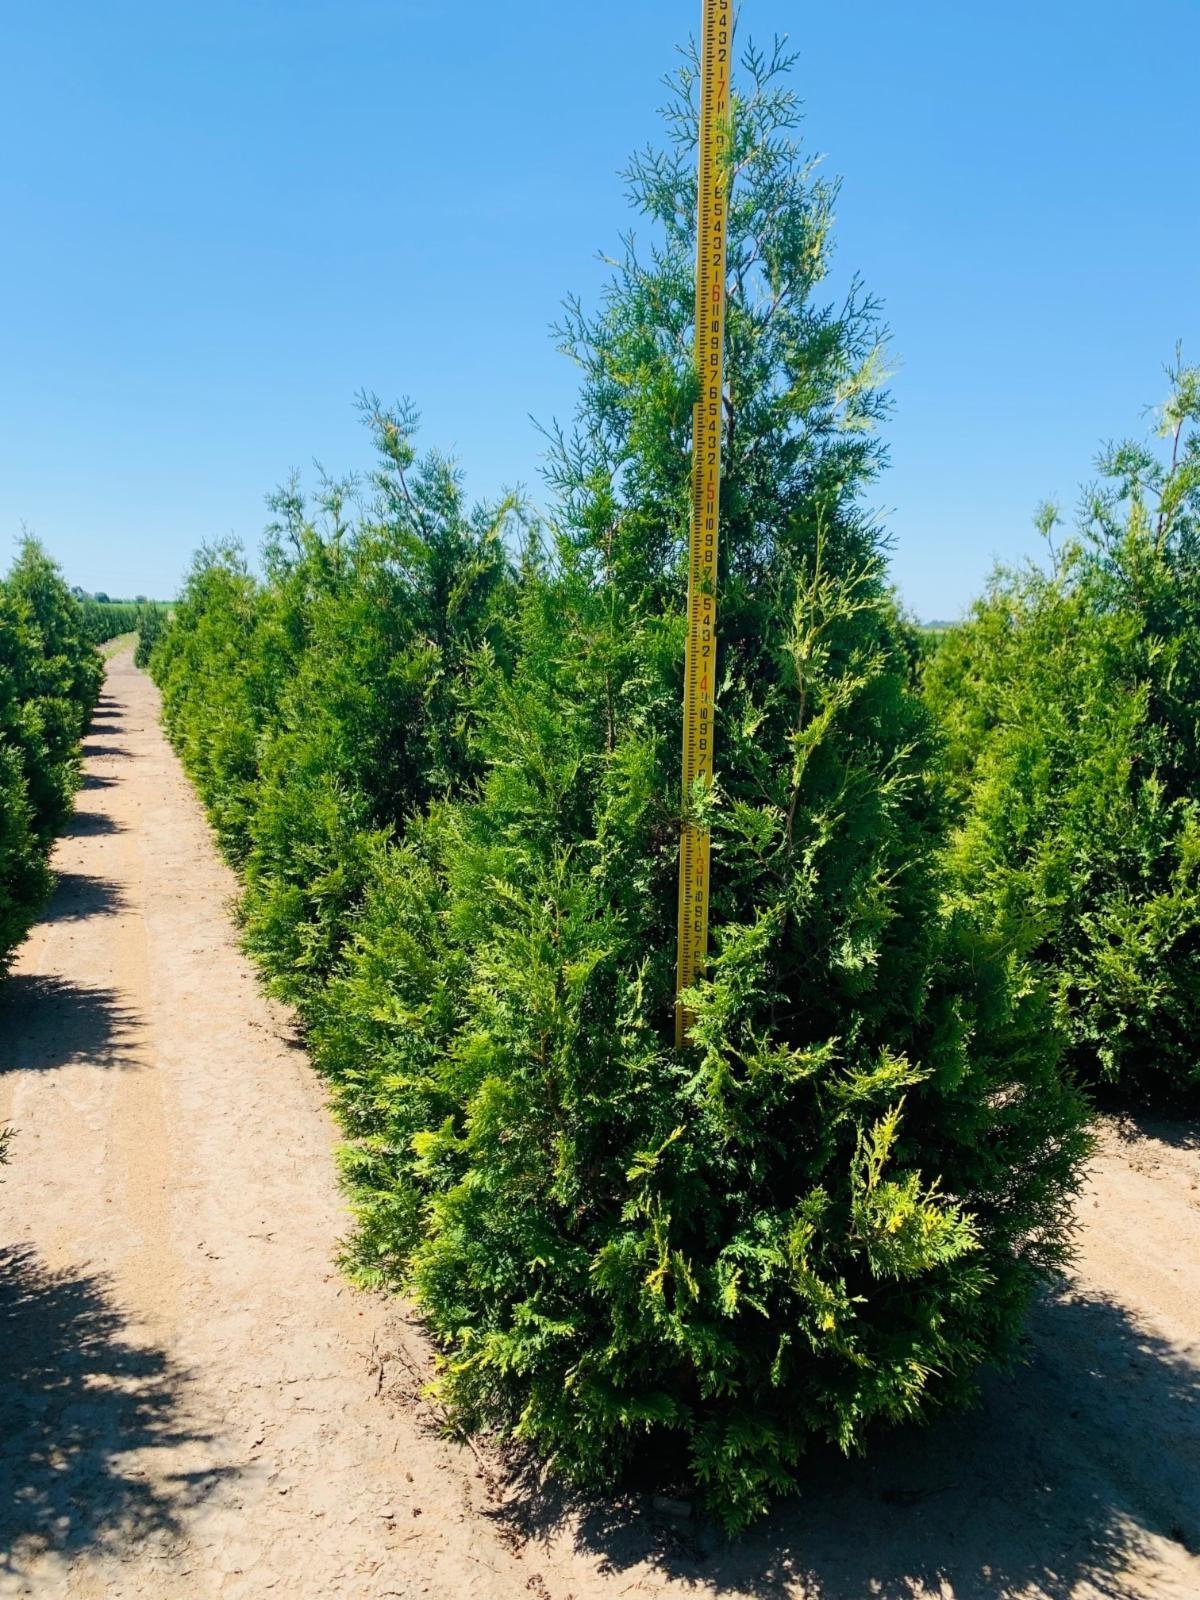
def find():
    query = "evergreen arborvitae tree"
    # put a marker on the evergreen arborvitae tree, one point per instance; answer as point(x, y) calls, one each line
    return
point(832, 1204)
point(24, 878)
point(1069, 699)
point(49, 679)
point(149, 621)
point(320, 706)
point(373, 723)
point(221, 676)
point(69, 668)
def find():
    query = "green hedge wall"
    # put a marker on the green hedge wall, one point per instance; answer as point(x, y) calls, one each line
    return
point(1070, 701)
point(50, 678)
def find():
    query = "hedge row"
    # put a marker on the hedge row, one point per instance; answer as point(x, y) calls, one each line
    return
point(109, 619)
point(49, 681)
point(1071, 700)
point(442, 747)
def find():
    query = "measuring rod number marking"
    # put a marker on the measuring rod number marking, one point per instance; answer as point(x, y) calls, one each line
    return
point(700, 663)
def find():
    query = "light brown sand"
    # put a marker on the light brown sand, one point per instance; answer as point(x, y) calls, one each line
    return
point(193, 1402)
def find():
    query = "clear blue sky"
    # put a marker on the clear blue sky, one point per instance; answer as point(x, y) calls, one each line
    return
point(222, 219)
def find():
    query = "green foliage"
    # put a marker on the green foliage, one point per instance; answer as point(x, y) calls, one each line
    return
point(318, 707)
point(68, 667)
point(1070, 702)
point(831, 1206)
point(108, 619)
point(452, 791)
point(105, 619)
point(150, 619)
point(220, 684)
point(24, 877)
point(49, 680)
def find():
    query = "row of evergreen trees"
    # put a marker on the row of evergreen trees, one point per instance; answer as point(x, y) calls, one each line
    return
point(104, 620)
point(1071, 704)
point(108, 619)
point(49, 681)
point(441, 744)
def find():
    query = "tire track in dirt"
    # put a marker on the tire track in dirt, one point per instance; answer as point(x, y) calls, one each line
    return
point(194, 1403)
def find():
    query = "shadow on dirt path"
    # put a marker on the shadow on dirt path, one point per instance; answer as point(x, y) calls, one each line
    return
point(1050, 1487)
point(49, 1022)
point(79, 896)
point(84, 1408)
point(85, 823)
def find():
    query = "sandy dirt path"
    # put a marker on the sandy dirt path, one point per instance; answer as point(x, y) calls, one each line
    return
point(193, 1403)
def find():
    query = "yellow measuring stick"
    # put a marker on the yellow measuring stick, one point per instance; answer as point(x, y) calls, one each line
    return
point(707, 429)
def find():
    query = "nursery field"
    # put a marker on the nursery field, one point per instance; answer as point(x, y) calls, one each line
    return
point(195, 1403)
point(562, 1043)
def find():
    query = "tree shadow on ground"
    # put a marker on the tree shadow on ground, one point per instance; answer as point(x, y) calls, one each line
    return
point(1055, 1481)
point(1181, 1133)
point(78, 895)
point(97, 780)
point(90, 749)
point(89, 824)
point(48, 1022)
point(86, 1409)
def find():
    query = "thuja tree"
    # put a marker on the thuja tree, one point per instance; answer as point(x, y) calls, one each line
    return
point(395, 607)
point(24, 880)
point(49, 680)
point(53, 684)
point(831, 1205)
point(221, 682)
point(150, 620)
point(318, 706)
point(1070, 701)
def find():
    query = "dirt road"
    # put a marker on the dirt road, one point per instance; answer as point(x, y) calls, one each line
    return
point(193, 1403)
